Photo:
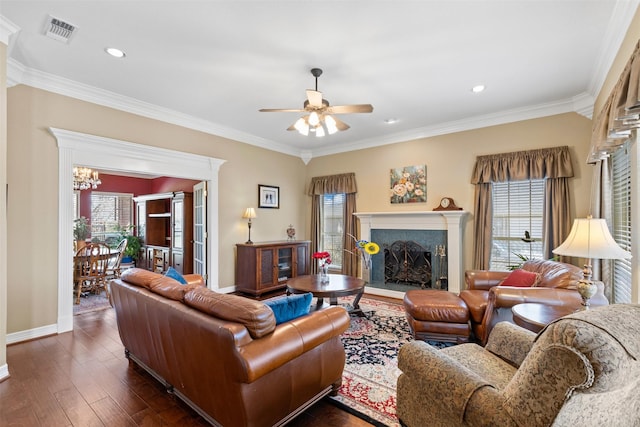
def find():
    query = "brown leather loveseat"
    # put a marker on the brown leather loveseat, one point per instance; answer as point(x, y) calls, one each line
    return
point(490, 303)
point(223, 354)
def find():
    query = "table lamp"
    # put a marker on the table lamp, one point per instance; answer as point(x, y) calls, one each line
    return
point(590, 238)
point(249, 213)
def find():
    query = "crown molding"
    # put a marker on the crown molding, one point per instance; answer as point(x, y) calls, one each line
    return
point(623, 14)
point(20, 74)
point(583, 101)
point(7, 29)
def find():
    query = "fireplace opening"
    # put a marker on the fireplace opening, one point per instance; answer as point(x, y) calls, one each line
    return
point(407, 263)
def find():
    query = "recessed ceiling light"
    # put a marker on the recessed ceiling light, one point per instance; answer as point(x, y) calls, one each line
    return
point(117, 53)
point(477, 89)
point(391, 121)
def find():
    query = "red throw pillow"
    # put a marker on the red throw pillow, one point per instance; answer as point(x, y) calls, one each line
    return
point(521, 279)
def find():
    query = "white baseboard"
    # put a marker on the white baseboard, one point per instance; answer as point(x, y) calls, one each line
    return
point(4, 372)
point(31, 334)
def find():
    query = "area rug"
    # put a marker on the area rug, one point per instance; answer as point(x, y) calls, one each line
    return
point(91, 302)
point(371, 370)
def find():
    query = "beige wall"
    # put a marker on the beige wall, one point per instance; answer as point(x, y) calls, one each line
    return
point(450, 160)
point(33, 183)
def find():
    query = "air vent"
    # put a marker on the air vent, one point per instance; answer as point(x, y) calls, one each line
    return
point(58, 29)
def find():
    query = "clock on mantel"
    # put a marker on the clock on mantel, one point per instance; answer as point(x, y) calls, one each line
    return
point(447, 204)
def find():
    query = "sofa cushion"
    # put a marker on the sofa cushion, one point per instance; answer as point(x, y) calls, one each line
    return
point(290, 307)
point(554, 274)
point(174, 274)
point(157, 283)
point(139, 277)
point(254, 315)
point(521, 279)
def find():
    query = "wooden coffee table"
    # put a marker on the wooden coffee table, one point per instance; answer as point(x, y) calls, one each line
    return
point(535, 316)
point(338, 285)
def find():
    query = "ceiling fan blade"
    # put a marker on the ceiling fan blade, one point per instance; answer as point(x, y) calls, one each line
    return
point(340, 124)
point(347, 109)
point(315, 98)
point(281, 110)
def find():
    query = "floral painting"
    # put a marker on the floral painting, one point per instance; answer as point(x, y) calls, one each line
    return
point(409, 184)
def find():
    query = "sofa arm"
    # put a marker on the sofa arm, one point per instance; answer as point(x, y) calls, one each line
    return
point(510, 342)
point(194, 279)
point(484, 279)
point(289, 340)
point(427, 368)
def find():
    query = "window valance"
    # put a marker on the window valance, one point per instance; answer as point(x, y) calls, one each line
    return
point(343, 183)
point(543, 163)
point(620, 115)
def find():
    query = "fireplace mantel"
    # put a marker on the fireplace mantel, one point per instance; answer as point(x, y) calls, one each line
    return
point(451, 221)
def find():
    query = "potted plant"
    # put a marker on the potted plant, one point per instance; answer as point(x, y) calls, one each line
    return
point(134, 244)
point(81, 231)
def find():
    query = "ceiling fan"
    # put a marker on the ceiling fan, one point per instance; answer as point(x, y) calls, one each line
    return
point(319, 119)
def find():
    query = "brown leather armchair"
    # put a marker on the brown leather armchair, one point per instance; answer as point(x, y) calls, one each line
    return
point(490, 303)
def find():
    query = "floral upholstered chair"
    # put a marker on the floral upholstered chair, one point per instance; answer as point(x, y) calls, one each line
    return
point(581, 370)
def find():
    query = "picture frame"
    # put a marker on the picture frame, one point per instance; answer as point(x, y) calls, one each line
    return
point(408, 184)
point(268, 196)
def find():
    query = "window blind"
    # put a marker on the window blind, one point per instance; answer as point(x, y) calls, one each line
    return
point(517, 210)
point(109, 213)
point(621, 202)
point(333, 227)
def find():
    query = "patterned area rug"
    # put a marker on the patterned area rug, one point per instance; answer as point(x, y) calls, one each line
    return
point(91, 302)
point(371, 371)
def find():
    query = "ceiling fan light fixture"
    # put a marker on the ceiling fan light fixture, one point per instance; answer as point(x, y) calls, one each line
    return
point(314, 119)
point(301, 126)
point(330, 122)
point(318, 120)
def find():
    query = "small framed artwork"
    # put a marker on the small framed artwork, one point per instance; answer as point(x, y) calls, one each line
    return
point(409, 184)
point(268, 196)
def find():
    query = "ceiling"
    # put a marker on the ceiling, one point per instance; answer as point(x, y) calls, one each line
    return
point(211, 65)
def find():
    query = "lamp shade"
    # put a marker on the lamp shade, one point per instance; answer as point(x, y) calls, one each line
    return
point(590, 238)
point(249, 213)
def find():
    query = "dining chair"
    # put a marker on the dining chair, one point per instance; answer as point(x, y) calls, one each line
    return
point(90, 269)
point(113, 269)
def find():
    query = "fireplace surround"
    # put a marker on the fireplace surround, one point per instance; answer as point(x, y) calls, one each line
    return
point(431, 227)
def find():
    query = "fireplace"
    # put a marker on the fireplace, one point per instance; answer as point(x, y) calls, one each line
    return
point(431, 230)
point(407, 262)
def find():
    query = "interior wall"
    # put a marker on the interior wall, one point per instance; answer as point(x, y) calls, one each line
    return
point(450, 159)
point(33, 180)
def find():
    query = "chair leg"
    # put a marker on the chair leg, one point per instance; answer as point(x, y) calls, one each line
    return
point(79, 285)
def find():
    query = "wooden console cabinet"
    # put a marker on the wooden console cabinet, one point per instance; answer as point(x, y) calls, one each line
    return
point(266, 267)
point(165, 223)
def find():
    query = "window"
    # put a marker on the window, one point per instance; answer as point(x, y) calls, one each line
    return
point(109, 213)
point(76, 204)
point(517, 222)
point(332, 232)
point(621, 202)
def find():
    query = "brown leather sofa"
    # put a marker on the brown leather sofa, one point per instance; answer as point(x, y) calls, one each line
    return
point(223, 354)
point(490, 303)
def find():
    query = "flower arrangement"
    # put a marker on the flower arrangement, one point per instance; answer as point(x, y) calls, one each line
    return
point(324, 258)
point(366, 249)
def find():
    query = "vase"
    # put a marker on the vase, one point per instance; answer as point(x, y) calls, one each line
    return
point(324, 273)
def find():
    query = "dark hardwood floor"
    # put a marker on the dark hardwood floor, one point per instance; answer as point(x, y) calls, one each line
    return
point(82, 378)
